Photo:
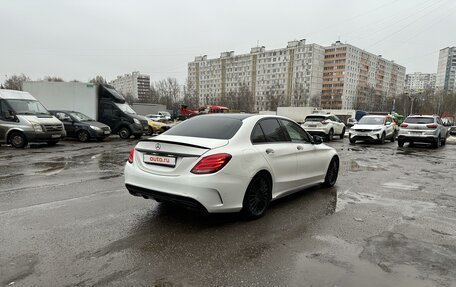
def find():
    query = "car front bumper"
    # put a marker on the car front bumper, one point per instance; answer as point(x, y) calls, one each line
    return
point(365, 136)
point(214, 193)
point(44, 136)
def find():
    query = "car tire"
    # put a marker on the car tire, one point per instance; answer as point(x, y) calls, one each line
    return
point(342, 134)
point(18, 140)
point(124, 133)
point(52, 143)
point(444, 141)
point(83, 136)
point(257, 197)
point(330, 135)
point(400, 143)
point(437, 143)
point(382, 138)
point(352, 141)
point(332, 172)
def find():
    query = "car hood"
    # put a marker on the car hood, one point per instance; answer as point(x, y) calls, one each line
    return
point(41, 119)
point(367, 127)
point(94, 123)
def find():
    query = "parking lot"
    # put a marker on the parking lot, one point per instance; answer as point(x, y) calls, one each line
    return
point(66, 219)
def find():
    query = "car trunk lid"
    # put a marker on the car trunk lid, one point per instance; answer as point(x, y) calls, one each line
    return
point(173, 155)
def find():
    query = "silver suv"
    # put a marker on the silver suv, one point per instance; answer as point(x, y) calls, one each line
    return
point(427, 129)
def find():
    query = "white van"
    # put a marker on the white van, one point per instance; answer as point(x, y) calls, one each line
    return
point(23, 119)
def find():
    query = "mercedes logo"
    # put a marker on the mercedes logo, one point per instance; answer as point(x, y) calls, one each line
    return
point(157, 146)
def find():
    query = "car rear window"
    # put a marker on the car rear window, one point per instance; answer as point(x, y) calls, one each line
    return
point(315, 118)
point(210, 127)
point(419, 120)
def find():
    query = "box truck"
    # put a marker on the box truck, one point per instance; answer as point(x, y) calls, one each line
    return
point(100, 102)
point(23, 120)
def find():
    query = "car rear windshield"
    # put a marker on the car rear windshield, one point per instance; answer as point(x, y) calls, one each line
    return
point(419, 120)
point(315, 118)
point(210, 127)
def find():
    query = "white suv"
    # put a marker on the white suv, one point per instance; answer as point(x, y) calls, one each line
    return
point(325, 125)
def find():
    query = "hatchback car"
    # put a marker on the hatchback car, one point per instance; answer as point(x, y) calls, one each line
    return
point(325, 125)
point(229, 163)
point(424, 129)
point(374, 128)
point(80, 126)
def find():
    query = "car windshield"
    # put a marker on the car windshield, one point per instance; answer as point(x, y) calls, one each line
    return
point(27, 107)
point(315, 118)
point(207, 127)
point(371, 121)
point(419, 120)
point(126, 108)
point(80, 117)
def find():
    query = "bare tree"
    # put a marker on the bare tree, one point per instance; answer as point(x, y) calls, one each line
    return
point(53, 79)
point(129, 99)
point(15, 82)
point(169, 93)
point(98, 80)
point(190, 98)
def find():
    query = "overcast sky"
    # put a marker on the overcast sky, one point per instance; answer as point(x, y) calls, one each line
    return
point(79, 39)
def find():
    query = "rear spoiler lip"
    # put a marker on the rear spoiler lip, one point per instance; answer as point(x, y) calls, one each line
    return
point(163, 153)
point(174, 142)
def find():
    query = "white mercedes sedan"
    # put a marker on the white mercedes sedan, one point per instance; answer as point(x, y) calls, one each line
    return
point(229, 163)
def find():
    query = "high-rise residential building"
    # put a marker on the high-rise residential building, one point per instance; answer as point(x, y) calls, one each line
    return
point(419, 82)
point(289, 76)
point(134, 84)
point(446, 70)
point(352, 77)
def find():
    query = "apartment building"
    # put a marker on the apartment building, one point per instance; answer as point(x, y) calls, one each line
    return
point(289, 76)
point(446, 70)
point(352, 76)
point(135, 84)
point(419, 82)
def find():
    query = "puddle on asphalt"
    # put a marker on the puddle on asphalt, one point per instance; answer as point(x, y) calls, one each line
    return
point(388, 250)
point(358, 165)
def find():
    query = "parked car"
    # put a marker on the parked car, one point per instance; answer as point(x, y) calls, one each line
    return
point(155, 117)
point(79, 126)
point(165, 114)
point(452, 130)
point(325, 125)
point(156, 127)
point(424, 129)
point(23, 120)
point(374, 128)
point(229, 163)
point(351, 122)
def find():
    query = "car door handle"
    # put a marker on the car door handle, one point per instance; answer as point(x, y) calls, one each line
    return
point(269, 151)
point(300, 147)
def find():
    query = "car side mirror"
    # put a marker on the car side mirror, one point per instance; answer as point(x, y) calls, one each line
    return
point(317, 139)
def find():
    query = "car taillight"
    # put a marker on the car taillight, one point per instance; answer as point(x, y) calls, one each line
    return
point(325, 122)
point(211, 163)
point(131, 156)
point(404, 125)
point(432, 126)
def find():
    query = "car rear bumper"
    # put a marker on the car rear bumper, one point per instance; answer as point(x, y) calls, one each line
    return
point(218, 192)
point(423, 138)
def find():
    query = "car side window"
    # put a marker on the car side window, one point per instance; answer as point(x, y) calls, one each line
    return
point(296, 133)
point(273, 132)
point(388, 120)
point(2, 110)
point(257, 135)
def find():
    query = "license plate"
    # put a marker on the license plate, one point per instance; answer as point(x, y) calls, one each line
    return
point(312, 126)
point(415, 133)
point(107, 132)
point(55, 136)
point(161, 160)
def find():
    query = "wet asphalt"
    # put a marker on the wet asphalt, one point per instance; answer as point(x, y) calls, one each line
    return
point(66, 219)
